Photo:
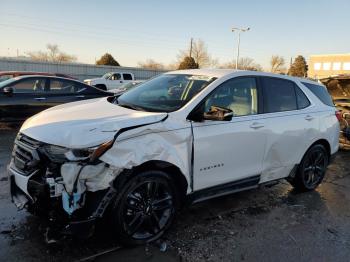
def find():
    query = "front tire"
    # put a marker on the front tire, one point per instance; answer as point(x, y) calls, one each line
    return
point(312, 169)
point(145, 208)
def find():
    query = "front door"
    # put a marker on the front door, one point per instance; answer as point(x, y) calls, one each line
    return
point(28, 99)
point(227, 151)
point(114, 81)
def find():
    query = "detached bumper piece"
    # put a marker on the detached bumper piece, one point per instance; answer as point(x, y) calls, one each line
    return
point(19, 198)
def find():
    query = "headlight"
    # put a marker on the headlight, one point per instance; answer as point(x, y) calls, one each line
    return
point(56, 153)
point(62, 154)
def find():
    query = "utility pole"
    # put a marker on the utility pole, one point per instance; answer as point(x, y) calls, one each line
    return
point(191, 47)
point(240, 30)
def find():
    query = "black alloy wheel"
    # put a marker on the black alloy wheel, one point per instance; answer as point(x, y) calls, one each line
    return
point(145, 208)
point(312, 169)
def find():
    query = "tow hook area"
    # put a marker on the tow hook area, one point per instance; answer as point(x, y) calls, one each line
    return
point(86, 228)
point(78, 227)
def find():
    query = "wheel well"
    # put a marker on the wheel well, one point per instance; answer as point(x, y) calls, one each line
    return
point(173, 171)
point(323, 142)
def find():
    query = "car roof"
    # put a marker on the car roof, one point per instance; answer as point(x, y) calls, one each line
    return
point(232, 72)
point(30, 73)
point(46, 76)
point(119, 72)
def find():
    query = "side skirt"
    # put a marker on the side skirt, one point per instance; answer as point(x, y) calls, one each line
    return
point(224, 189)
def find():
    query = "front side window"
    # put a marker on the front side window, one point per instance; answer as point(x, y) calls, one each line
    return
point(238, 95)
point(279, 95)
point(115, 77)
point(165, 93)
point(30, 85)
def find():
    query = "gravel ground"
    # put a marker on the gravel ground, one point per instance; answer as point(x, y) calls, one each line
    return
point(267, 224)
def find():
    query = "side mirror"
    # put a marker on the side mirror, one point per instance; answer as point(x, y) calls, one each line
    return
point(8, 91)
point(217, 113)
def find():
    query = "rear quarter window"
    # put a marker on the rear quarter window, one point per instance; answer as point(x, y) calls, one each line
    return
point(127, 76)
point(321, 92)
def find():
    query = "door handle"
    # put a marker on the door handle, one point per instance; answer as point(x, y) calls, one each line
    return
point(80, 96)
point(40, 98)
point(309, 118)
point(257, 125)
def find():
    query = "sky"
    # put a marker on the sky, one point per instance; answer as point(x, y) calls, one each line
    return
point(137, 30)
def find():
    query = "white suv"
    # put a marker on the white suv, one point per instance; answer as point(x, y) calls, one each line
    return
point(139, 158)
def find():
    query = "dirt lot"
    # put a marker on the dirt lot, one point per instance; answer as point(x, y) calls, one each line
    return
point(268, 224)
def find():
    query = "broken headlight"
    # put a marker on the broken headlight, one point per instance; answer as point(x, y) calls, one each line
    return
point(61, 154)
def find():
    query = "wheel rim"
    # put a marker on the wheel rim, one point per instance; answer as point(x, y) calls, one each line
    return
point(147, 210)
point(315, 168)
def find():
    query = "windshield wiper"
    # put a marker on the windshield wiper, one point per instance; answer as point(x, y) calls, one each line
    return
point(133, 107)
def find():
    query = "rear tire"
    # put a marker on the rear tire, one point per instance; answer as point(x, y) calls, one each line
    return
point(311, 169)
point(145, 208)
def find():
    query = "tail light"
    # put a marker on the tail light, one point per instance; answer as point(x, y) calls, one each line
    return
point(338, 115)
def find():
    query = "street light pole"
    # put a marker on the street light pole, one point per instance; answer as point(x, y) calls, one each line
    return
point(240, 30)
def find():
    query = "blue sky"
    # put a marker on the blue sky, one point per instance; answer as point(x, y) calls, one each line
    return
point(134, 31)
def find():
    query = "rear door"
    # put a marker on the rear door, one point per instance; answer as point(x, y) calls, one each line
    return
point(114, 81)
point(127, 78)
point(290, 124)
point(28, 98)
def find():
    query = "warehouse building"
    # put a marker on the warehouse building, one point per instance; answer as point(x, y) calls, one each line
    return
point(322, 66)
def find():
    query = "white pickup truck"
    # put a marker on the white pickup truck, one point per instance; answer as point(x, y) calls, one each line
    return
point(111, 80)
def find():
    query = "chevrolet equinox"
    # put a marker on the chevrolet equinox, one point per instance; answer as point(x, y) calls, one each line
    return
point(184, 136)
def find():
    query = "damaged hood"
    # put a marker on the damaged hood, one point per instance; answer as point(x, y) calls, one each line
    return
point(85, 123)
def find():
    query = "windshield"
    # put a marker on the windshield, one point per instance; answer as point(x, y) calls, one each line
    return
point(5, 77)
point(106, 75)
point(7, 82)
point(165, 93)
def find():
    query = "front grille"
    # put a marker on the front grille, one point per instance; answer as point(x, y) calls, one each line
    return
point(25, 154)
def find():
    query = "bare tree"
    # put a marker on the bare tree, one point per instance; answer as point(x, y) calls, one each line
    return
point(244, 63)
point(53, 54)
point(199, 53)
point(151, 64)
point(277, 64)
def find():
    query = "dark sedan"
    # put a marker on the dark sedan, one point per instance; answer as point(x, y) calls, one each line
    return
point(24, 96)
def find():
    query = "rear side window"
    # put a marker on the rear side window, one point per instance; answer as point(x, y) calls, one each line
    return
point(321, 92)
point(302, 100)
point(279, 95)
point(127, 76)
point(64, 86)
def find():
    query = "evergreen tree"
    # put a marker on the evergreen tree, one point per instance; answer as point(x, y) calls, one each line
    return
point(299, 67)
point(107, 59)
point(188, 63)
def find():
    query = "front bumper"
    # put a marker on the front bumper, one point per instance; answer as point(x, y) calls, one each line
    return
point(19, 187)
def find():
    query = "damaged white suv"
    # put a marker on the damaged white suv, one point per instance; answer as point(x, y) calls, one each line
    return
point(139, 157)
